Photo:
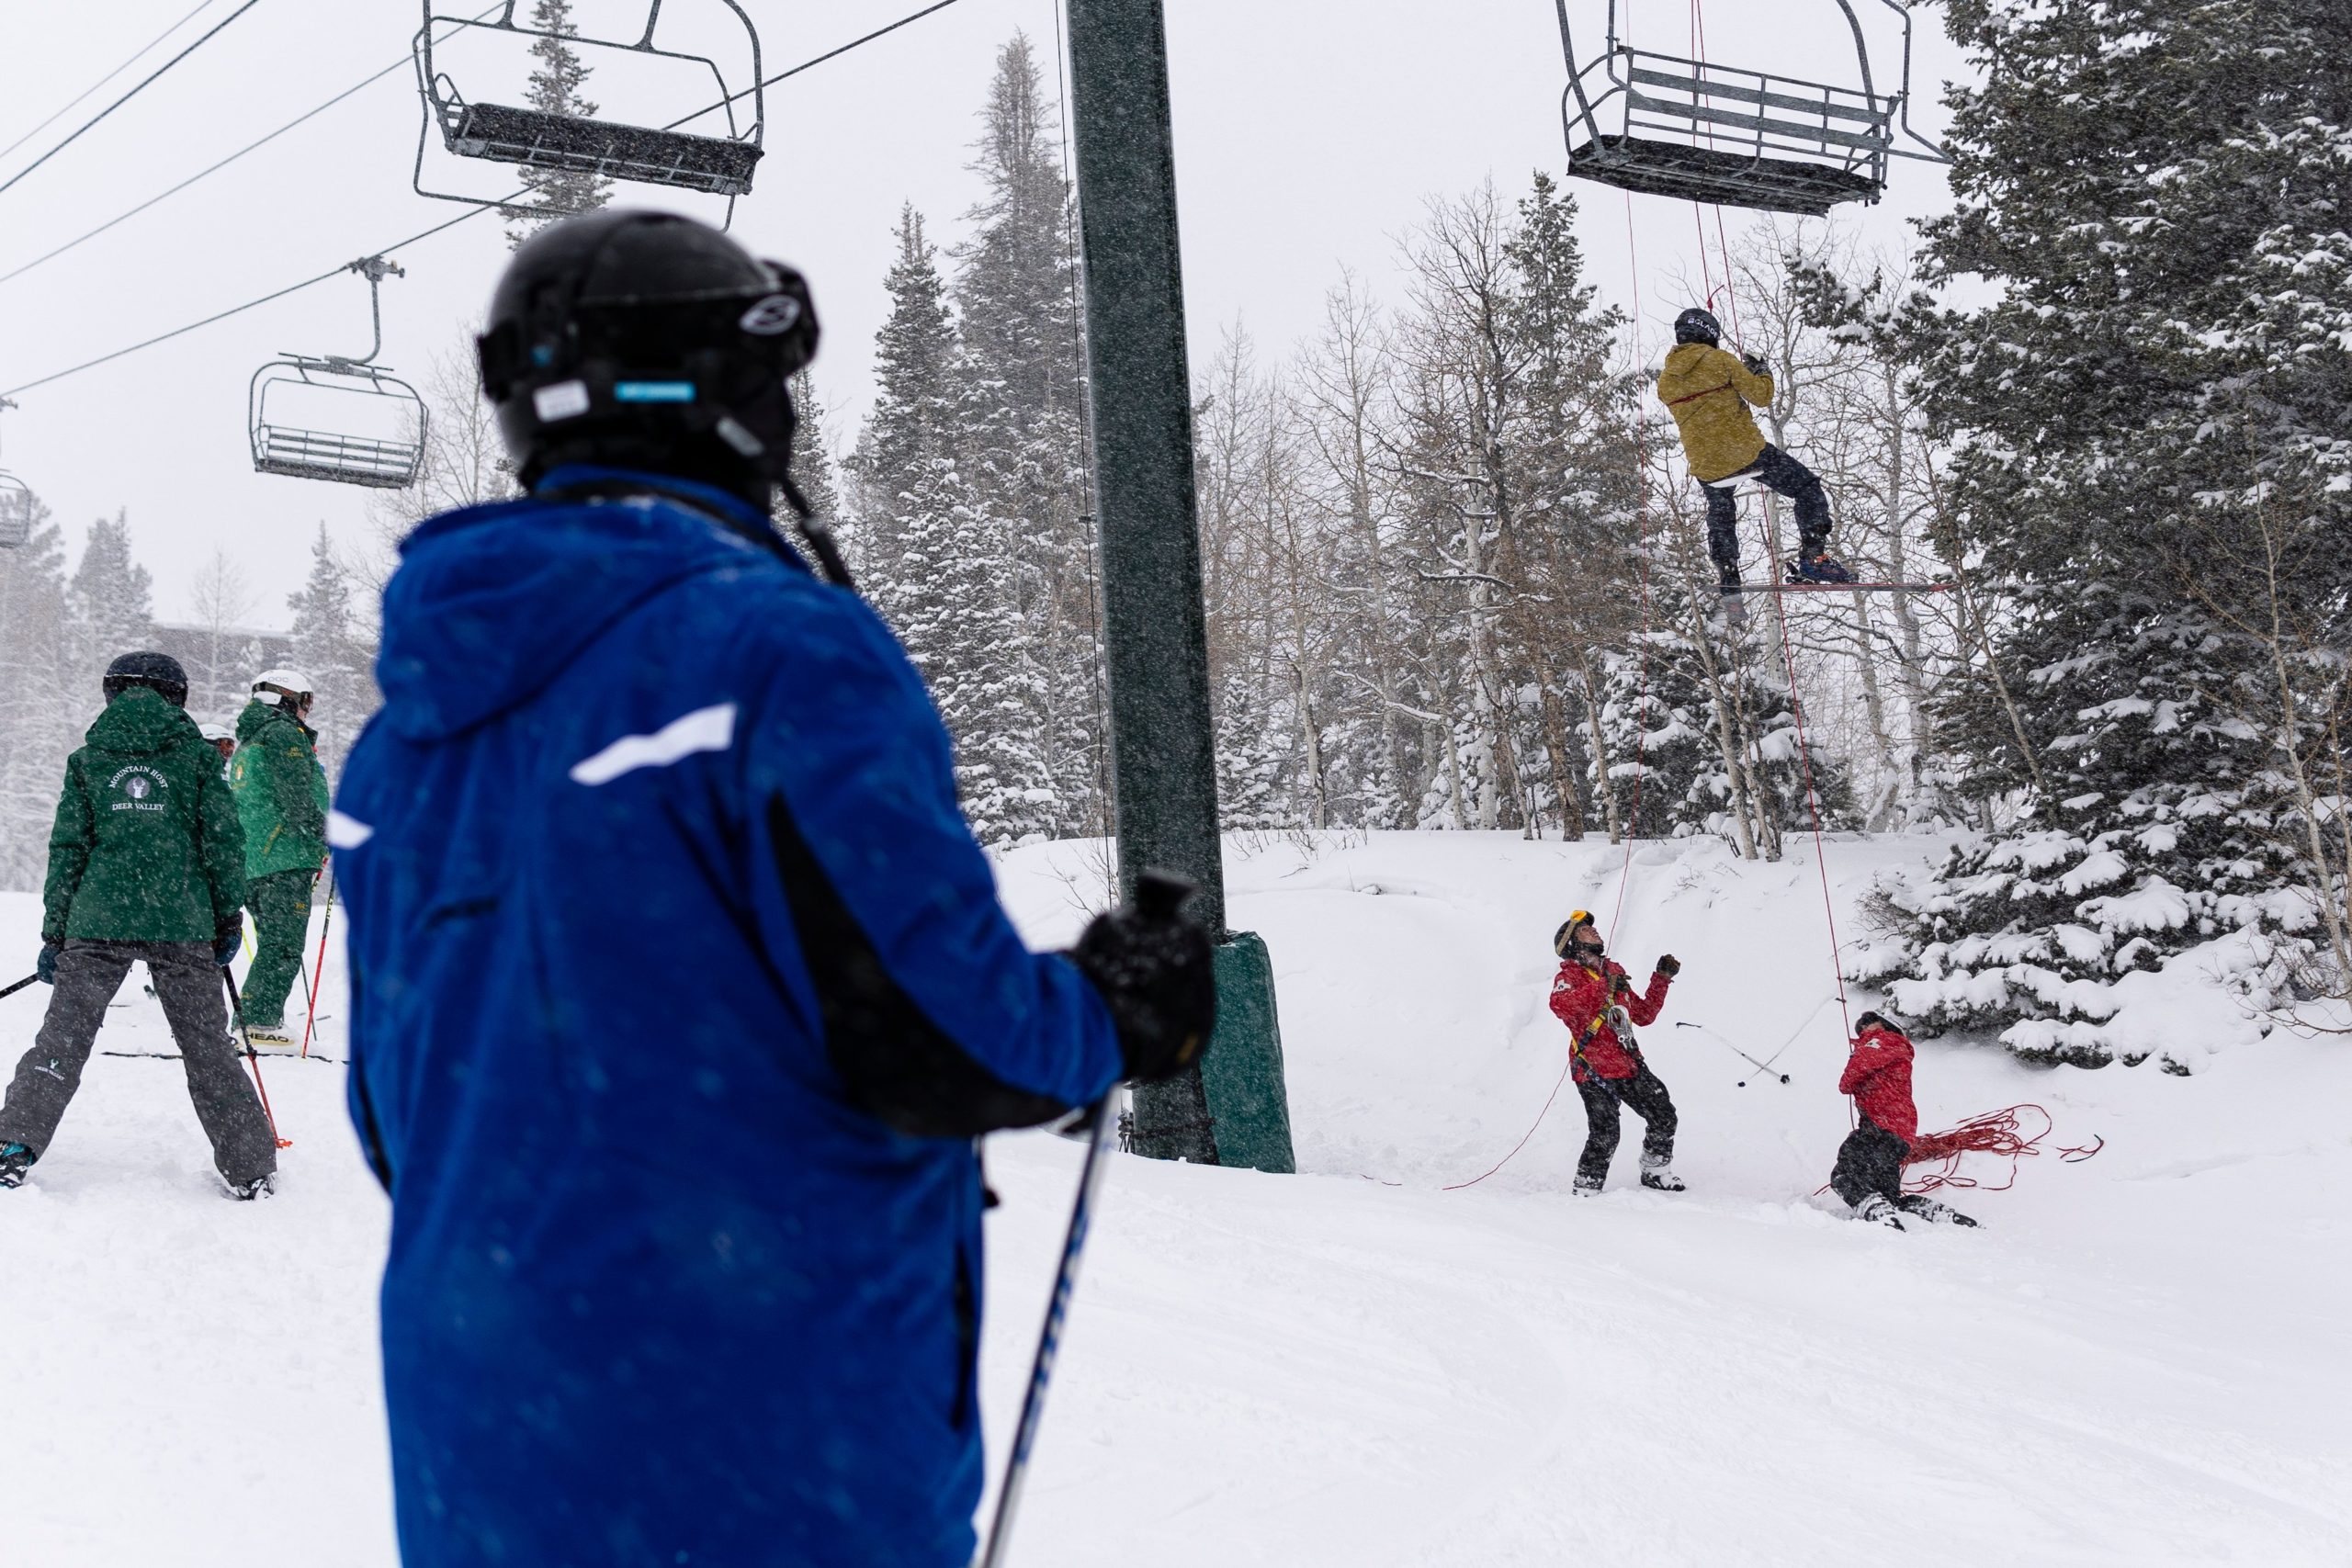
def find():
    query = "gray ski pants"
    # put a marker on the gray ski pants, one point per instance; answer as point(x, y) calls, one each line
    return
point(188, 985)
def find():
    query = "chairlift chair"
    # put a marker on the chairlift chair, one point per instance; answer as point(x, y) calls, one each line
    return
point(15, 505)
point(16, 511)
point(302, 452)
point(540, 139)
point(1701, 131)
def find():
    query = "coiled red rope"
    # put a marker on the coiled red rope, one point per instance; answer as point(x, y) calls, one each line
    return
point(2000, 1134)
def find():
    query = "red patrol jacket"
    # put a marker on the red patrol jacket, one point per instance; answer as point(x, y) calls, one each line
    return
point(1580, 996)
point(1878, 1075)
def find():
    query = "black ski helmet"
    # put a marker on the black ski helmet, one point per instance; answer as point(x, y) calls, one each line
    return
point(159, 672)
point(649, 340)
point(1696, 325)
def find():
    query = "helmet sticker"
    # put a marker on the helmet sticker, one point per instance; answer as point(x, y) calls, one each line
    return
point(653, 392)
point(771, 317)
point(565, 400)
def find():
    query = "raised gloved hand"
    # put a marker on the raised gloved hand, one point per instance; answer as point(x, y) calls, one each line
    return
point(1668, 966)
point(1755, 364)
point(45, 965)
point(1153, 966)
point(227, 936)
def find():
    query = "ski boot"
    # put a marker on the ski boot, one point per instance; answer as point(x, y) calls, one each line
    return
point(271, 1037)
point(15, 1160)
point(1878, 1211)
point(246, 1192)
point(1817, 568)
point(1934, 1214)
point(1586, 1186)
point(1658, 1175)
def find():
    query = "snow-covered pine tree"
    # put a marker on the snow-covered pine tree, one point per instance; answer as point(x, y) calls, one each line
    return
point(555, 88)
point(2151, 192)
point(926, 555)
point(41, 714)
point(108, 606)
point(1023, 437)
point(812, 460)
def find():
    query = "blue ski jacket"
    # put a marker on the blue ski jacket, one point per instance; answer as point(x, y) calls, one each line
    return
point(681, 993)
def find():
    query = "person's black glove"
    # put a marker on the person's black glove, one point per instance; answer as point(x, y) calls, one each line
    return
point(1668, 966)
point(45, 965)
point(1154, 966)
point(227, 936)
point(1755, 364)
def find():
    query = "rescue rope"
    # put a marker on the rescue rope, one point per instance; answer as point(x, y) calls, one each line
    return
point(1996, 1132)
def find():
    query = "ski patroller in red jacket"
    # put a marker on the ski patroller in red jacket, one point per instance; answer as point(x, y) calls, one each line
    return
point(1580, 996)
point(1878, 1075)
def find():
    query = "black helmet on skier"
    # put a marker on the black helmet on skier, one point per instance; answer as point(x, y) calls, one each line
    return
point(1695, 326)
point(647, 340)
point(158, 671)
point(1564, 941)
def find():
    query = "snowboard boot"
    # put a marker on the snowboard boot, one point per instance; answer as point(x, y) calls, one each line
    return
point(1813, 564)
point(1879, 1212)
point(15, 1160)
point(1658, 1175)
point(1934, 1214)
point(246, 1192)
point(1587, 1186)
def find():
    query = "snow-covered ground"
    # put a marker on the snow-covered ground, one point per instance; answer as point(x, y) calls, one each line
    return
point(2143, 1359)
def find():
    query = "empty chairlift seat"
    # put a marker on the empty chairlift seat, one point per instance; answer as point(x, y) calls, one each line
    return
point(16, 511)
point(335, 420)
point(1701, 131)
point(541, 138)
point(542, 141)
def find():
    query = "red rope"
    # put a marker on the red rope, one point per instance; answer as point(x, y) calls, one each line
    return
point(1565, 1064)
point(1996, 1132)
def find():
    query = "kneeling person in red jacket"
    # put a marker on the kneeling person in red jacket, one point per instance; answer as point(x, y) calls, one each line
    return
point(1869, 1173)
point(1594, 997)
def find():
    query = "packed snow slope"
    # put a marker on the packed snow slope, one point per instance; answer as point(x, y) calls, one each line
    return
point(2139, 1360)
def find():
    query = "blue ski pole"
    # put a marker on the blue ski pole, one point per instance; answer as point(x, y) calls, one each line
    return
point(1103, 1119)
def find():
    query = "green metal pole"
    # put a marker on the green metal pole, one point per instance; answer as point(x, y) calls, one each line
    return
point(1233, 1110)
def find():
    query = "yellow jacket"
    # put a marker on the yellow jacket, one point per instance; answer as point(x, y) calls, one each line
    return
point(1708, 390)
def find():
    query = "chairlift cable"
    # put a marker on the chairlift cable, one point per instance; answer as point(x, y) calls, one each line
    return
point(149, 80)
point(62, 110)
point(498, 205)
point(810, 65)
point(338, 270)
point(202, 174)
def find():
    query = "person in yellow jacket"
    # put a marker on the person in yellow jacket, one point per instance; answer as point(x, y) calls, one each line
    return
point(1708, 389)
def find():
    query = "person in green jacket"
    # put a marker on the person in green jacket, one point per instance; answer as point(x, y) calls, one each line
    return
point(146, 864)
point(282, 801)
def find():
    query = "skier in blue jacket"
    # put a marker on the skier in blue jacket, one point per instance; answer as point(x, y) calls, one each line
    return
point(681, 989)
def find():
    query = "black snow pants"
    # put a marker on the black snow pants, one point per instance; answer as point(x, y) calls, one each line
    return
point(1870, 1161)
point(1647, 1096)
point(1776, 470)
point(188, 985)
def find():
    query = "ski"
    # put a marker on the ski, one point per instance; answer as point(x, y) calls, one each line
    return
point(1852, 588)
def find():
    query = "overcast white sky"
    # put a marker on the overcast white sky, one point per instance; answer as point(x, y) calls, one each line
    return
point(1309, 134)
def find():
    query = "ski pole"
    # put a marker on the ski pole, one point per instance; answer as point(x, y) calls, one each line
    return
point(1161, 895)
point(310, 987)
point(253, 1057)
point(27, 980)
point(1761, 1066)
point(1102, 1119)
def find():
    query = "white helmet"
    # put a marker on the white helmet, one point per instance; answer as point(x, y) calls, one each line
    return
point(215, 731)
point(291, 682)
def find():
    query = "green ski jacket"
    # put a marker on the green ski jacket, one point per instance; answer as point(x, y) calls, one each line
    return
point(147, 846)
point(281, 791)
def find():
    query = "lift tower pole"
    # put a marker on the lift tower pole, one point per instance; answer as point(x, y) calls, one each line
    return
point(1232, 1109)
